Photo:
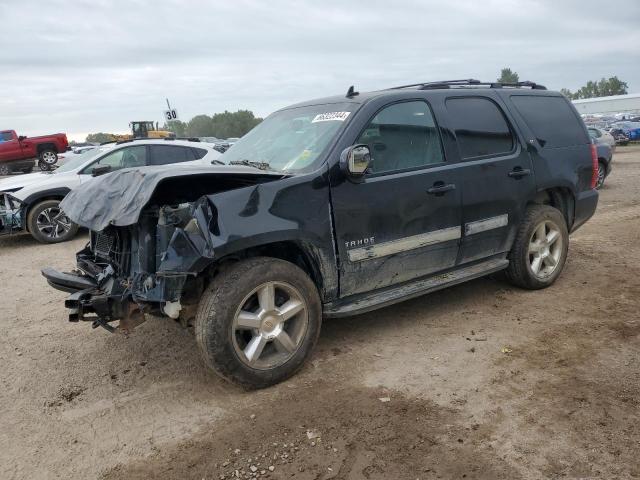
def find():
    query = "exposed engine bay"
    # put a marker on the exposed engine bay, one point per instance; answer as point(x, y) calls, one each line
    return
point(147, 260)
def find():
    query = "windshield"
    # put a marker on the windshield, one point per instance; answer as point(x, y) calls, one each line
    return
point(73, 161)
point(292, 139)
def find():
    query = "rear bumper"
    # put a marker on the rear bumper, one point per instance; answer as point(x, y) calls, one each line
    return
point(586, 204)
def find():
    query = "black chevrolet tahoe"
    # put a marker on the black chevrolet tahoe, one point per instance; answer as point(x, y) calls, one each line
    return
point(335, 207)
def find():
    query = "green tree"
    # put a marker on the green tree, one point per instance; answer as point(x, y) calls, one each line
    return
point(236, 124)
point(177, 127)
point(100, 137)
point(508, 76)
point(603, 88)
point(199, 126)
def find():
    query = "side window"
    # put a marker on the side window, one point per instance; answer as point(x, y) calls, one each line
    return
point(166, 154)
point(122, 158)
point(480, 127)
point(401, 136)
point(551, 119)
point(199, 152)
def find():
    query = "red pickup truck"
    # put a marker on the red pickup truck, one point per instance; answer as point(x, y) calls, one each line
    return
point(20, 152)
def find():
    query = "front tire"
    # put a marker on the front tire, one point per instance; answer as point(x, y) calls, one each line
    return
point(539, 251)
point(258, 321)
point(4, 169)
point(47, 223)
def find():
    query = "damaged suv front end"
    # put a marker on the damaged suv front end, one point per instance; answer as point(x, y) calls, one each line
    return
point(144, 256)
point(244, 250)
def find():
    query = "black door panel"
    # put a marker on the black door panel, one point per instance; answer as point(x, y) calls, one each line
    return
point(403, 220)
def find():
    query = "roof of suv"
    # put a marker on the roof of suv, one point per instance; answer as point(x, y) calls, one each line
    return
point(164, 141)
point(353, 96)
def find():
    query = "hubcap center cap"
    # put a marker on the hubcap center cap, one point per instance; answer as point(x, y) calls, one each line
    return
point(271, 325)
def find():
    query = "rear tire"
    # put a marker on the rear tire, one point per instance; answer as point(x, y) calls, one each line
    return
point(602, 174)
point(257, 322)
point(45, 167)
point(47, 223)
point(48, 157)
point(539, 251)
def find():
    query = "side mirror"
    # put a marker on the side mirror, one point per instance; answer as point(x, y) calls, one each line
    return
point(101, 170)
point(21, 138)
point(355, 160)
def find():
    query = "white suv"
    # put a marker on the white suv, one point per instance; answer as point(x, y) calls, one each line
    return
point(31, 202)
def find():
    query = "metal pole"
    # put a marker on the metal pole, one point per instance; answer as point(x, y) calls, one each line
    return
point(168, 105)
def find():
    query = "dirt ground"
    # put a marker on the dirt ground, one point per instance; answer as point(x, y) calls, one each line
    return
point(479, 381)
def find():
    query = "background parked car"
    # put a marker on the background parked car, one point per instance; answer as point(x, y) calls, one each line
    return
point(619, 135)
point(602, 136)
point(82, 148)
point(605, 157)
point(18, 153)
point(31, 202)
point(632, 129)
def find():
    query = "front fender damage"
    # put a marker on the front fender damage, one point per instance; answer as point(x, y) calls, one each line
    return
point(12, 218)
point(151, 267)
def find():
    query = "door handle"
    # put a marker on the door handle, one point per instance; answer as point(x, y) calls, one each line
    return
point(440, 188)
point(519, 172)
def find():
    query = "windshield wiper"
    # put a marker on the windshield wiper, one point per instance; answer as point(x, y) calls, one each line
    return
point(251, 163)
point(217, 162)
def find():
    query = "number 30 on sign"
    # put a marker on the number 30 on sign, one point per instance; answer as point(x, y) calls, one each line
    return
point(170, 115)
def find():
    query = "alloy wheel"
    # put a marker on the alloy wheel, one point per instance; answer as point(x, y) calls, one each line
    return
point(545, 249)
point(53, 223)
point(270, 325)
point(49, 157)
point(601, 175)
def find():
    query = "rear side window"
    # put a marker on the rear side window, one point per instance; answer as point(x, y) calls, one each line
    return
point(480, 127)
point(5, 136)
point(166, 154)
point(551, 119)
point(199, 152)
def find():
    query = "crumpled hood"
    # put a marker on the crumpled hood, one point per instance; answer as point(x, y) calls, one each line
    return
point(118, 198)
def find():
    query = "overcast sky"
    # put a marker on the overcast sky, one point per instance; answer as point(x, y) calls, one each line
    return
point(88, 66)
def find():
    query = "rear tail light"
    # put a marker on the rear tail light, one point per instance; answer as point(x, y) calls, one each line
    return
point(594, 166)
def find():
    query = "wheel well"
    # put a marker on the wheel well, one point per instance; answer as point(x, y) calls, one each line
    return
point(289, 251)
point(47, 146)
point(560, 198)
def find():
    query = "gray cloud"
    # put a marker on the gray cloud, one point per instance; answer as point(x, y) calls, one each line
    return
point(83, 66)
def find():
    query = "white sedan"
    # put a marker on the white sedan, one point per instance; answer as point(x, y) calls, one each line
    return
point(31, 202)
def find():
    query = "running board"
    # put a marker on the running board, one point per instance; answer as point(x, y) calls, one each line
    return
point(366, 302)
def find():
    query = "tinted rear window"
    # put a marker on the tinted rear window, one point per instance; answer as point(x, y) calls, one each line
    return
point(551, 119)
point(166, 154)
point(199, 152)
point(480, 127)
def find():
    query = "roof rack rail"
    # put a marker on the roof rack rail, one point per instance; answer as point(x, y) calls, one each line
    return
point(469, 82)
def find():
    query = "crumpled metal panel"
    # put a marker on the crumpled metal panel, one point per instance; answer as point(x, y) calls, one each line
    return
point(117, 198)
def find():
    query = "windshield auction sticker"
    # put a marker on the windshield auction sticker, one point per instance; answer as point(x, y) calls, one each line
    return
point(331, 116)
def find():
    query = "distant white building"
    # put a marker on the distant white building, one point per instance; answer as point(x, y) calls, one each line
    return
point(627, 104)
